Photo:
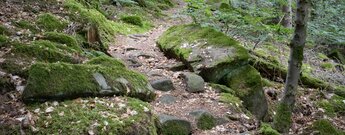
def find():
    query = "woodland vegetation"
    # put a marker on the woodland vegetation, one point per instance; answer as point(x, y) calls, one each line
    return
point(172, 67)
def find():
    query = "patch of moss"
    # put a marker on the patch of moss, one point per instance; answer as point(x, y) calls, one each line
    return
point(266, 129)
point(26, 25)
point(64, 39)
point(3, 40)
point(4, 30)
point(322, 56)
point(340, 91)
point(107, 28)
point(134, 20)
point(306, 68)
point(333, 106)
point(325, 127)
point(222, 88)
point(176, 127)
point(327, 65)
point(100, 115)
point(50, 22)
point(59, 81)
point(206, 121)
point(106, 61)
point(282, 120)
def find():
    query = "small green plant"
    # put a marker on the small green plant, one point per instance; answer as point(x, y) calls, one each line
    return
point(327, 65)
point(266, 129)
point(134, 20)
point(26, 25)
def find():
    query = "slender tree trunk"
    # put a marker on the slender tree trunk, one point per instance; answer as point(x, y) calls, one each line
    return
point(282, 120)
point(287, 10)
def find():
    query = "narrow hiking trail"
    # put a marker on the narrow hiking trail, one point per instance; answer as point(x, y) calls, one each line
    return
point(140, 53)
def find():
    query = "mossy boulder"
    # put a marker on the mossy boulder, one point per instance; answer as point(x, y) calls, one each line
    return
point(217, 58)
point(50, 22)
point(266, 129)
point(64, 39)
point(59, 81)
point(204, 119)
point(246, 81)
point(22, 56)
point(106, 61)
point(117, 115)
point(134, 20)
point(171, 125)
point(204, 50)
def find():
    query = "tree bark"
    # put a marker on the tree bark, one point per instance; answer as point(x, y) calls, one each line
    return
point(287, 10)
point(282, 120)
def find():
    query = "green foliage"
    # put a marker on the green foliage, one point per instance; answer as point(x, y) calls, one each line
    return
point(325, 127)
point(49, 22)
point(333, 106)
point(266, 129)
point(106, 61)
point(26, 25)
point(327, 65)
point(135, 20)
point(3, 40)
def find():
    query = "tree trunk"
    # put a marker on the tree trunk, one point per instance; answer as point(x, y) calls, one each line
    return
point(287, 10)
point(282, 120)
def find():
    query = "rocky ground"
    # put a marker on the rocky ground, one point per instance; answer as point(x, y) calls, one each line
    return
point(180, 93)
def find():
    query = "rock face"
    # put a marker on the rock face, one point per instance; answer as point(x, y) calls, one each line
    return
point(171, 125)
point(162, 84)
point(194, 82)
point(59, 81)
point(216, 58)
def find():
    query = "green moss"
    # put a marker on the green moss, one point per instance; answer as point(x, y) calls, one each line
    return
point(230, 99)
point(282, 120)
point(61, 81)
point(327, 65)
point(4, 30)
point(26, 25)
point(3, 40)
point(49, 22)
point(107, 28)
point(222, 88)
point(106, 61)
point(134, 20)
point(63, 39)
point(340, 91)
point(206, 121)
point(100, 115)
point(266, 129)
point(306, 68)
point(322, 56)
point(175, 128)
point(333, 106)
point(325, 127)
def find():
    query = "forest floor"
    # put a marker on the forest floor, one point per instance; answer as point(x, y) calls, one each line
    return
point(140, 53)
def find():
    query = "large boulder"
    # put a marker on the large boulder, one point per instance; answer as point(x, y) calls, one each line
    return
point(115, 115)
point(63, 81)
point(217, 58)
point(171, 125)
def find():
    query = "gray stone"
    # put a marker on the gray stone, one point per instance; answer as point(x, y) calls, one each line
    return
point(171, 125)
point(167, 99)
point(194, 82)
point(101, 81)
point(177, 67)
point(163, 84)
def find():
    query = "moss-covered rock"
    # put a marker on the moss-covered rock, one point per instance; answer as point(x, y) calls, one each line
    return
point(337, 55)
point(49, 22)
point(204, 50)
point(135, 20)
point(118, 116)
point(59, 81)
point(266, 129)
point(62, 38)
point(171, 125)
point(325, 127)
point(206, 121)
point(246, 81)
point(22, 56)
point(218, 59)
point(106, 61)
point(221, 88)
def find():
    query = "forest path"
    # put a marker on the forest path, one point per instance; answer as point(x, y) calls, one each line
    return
point(140, 53)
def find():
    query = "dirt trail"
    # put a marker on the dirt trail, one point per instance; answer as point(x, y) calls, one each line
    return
point(140, 53)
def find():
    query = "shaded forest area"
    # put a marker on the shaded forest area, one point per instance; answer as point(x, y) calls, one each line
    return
point(172, 67)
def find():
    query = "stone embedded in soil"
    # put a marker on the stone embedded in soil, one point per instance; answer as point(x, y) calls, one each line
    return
point(205, 120)
point(171, 125)
point(163, 84)
point(167, 99)
point(195, 83)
